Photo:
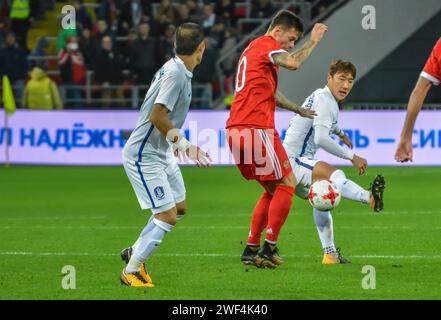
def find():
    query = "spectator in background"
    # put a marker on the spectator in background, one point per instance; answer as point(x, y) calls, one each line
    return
point(193, 10)
point(83, 19)
point(108, 72)
point(63, 35)
point(131, 14)
point(166, 44)
point(204, 74)
point(166, 14)
point(208, 18)
point(4, 9)
point(225, 10)
point(21, 15)
point(217, 34)
point(262, 9)
point(87, 47)
point(40, 51)
point(3, 31)
point(183, 15)
point(72, 70)
point(144, 56)
point(107, 11)
point(127, 47)
point(41, 92)
point(103, 29)
point(229, 64)
point(13, 63)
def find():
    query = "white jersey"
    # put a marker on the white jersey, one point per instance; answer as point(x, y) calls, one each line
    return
point(299, 138)
point(170, 87)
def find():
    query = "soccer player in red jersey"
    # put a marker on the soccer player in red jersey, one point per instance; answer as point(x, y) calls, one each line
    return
point(431, 74)
point(252, 138)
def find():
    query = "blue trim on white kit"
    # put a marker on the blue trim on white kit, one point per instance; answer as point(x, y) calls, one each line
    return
point(307, 166)
point(139, 167)
point(306, 141)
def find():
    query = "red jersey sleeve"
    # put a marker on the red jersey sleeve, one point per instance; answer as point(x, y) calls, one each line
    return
point(432, 69)
point(271, 48)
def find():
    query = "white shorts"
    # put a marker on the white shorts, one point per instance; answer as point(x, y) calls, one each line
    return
point(158, 186)
point(302, 168)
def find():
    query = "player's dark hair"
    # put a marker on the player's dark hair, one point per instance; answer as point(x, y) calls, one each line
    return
point(287, 20)
point(188, 37)
point(342, 66)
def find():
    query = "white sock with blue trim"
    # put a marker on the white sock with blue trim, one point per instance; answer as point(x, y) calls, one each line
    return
point(151, 237)
point(349, 189)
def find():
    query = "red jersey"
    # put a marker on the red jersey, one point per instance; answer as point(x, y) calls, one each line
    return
point(254, 102)
point(432, 69)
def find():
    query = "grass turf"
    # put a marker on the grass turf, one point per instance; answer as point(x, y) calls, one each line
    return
point(83, 216)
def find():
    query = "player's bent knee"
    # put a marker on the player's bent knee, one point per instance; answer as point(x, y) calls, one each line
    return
point(322, 170)
point(169, 216)
point(181, 208)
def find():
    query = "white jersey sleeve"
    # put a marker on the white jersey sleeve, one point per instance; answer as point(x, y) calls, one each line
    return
point(325, 116)
point(170, 89)
point(323, 140)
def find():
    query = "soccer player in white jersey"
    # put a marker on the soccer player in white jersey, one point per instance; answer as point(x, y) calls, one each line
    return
point(148, 155)
point(305, 136)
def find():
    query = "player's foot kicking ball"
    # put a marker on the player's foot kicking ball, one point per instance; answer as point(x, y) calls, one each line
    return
point(334, 258)
point(249, 255)
point(268, 257)
point(377, 190)
point(126, 255)
point(134, 279)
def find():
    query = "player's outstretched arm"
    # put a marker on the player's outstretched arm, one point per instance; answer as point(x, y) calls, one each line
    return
point(323, 140)
point(284, 103)
point(404, 150)
point(294, 60)
point(159, 118)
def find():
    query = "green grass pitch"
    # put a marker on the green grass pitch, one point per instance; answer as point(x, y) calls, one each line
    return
point(83, 216)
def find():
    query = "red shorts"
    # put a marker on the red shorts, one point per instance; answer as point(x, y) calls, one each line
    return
point(258, 153)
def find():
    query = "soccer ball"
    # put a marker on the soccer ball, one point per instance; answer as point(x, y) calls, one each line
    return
point(324, 195)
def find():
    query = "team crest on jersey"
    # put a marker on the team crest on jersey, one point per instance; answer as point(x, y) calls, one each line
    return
point(286, 164)
point(159, 193)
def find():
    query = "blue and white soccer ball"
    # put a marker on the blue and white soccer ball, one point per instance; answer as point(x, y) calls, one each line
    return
point(324, 195)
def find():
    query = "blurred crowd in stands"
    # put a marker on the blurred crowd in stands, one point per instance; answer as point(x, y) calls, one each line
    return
point(123, 42)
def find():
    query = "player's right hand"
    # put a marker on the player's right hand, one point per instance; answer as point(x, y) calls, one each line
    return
point(198, 156)
point(318, 31)
point(404, 151)
point(360, 164)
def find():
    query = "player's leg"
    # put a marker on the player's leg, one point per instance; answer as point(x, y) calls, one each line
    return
point(176, 182)
point(278, 210)
point(151, 237)
point(259, 221)
point(280, 183)
point(153, 192)
point(351, 190)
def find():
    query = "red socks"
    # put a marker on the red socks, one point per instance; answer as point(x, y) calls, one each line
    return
point(278, 211)
point(270, 212)
point(259, 220)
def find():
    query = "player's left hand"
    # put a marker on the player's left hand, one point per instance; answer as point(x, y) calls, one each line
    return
point(347, 141)
point(307, 113)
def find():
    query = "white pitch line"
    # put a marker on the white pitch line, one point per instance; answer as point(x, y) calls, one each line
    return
point(56, 218)
point(211, 227)
point(208, 255)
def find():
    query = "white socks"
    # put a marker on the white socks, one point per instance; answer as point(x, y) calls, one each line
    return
point(325, 228)
point(349, 189)
point(150, 238)
point(179, 217)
